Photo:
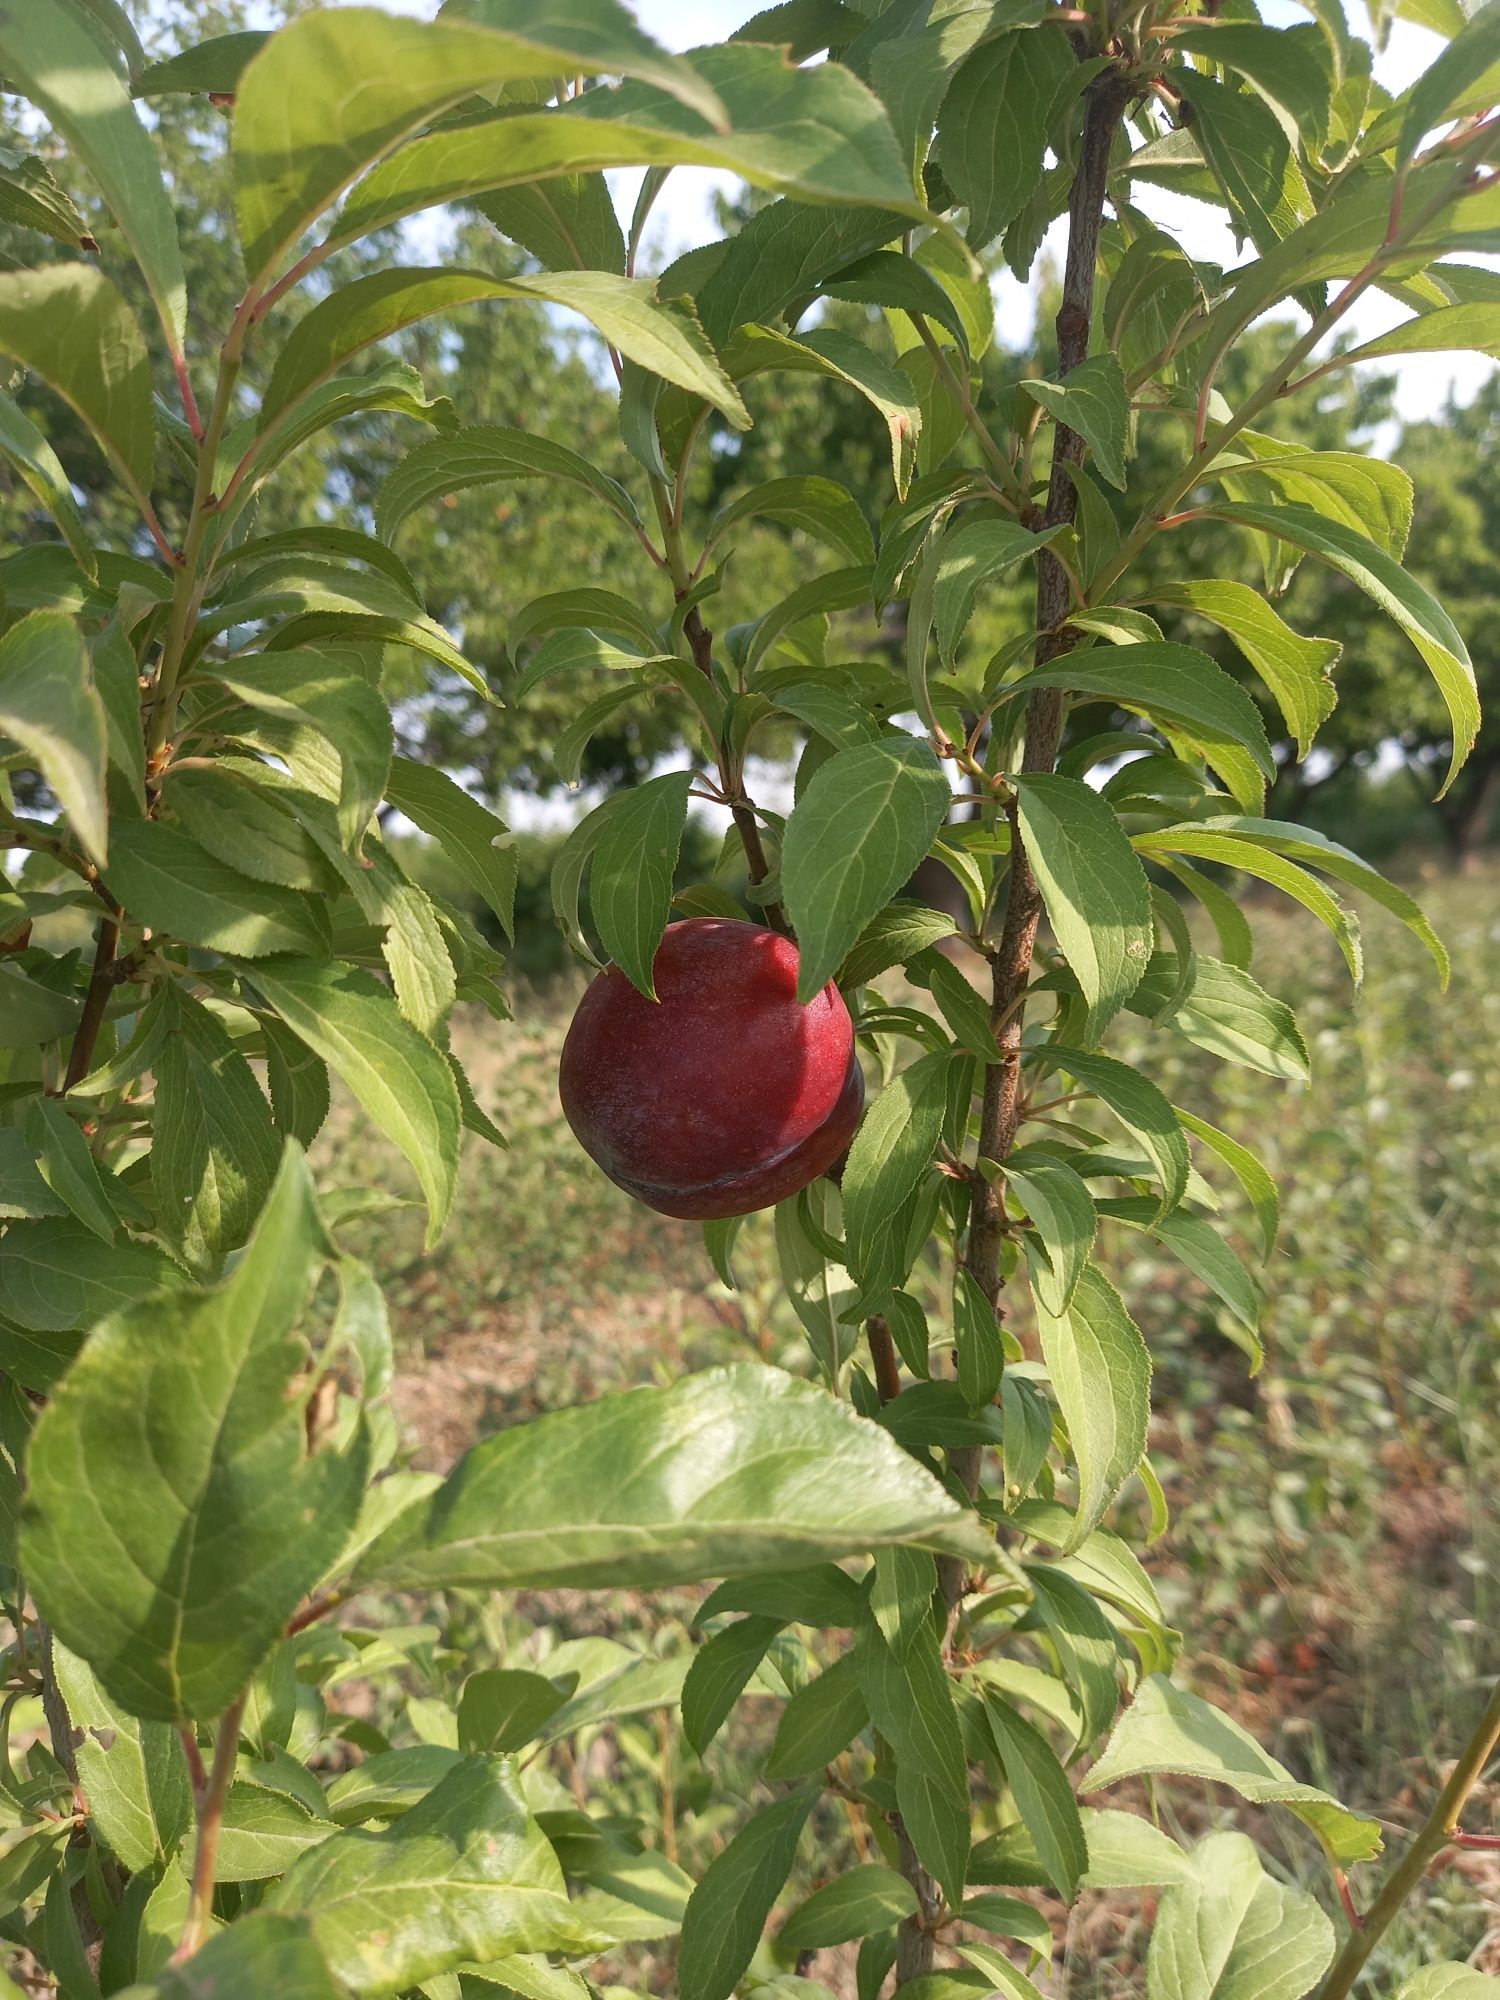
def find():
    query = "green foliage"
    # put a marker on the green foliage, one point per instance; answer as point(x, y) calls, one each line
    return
point(218, 714)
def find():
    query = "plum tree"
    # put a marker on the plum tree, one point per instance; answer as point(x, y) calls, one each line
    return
point(721, 1093)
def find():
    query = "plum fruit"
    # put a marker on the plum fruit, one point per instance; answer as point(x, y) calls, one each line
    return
point(722, 1095)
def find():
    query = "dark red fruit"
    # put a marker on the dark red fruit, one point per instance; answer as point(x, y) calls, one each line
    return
point(723, 1094)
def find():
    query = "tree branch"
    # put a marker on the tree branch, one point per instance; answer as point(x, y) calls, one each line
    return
point(1438, 1832)
point(209, 1803)
point(1011, 961)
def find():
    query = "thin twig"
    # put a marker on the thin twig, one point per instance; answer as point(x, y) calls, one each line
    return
point(209, 1801)
point(1440, 1831)
point(102, 983)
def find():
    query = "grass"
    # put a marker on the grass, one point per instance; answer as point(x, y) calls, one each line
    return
point(1334, 1545)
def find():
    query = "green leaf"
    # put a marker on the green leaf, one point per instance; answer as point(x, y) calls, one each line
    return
point(481, 455)
point(893, 936)
point(1315, 850)
point(30, 198)
point(139, 1792)
point(173, 1439)
point(56, 1274)
point(1289, 67)
point(721, 1669)
point(31, 1013)
point(165, 880)
point(1259, 1187)
point(296, 149)
point(1101, 1376)
point(1093, 888)
point(968, 558)
point(404, 1083)
point(262, 1953)
point(265, 1830)
point(240, 822)
point(1084, 1641)
point(1250, 154)
point(839, 356)
point(212, 68)
point(1128, 1852)
point(1230, 1932)
point(865, 1899)
point(74, 331)
point(464, 1876)
point(1094, 403)
point(817, 507)
point(976, 1337)
point(53, 59)
point(313, 693)
point(911, 1705)
point(1141, 1109)
point(1367, 494)
point(1207, 1256)
point(854, 837)
point(28, 451)
point(993, 127)
point(662, 338)
point(1043, 1796)
point(726, 1913)
point(474, 839)
point(1061, 1212)
point(68, 1167)
point(1449, 1982)
point(1168, 1732)
point(735, 1470)
point(816, 133)
point(1179, 687)
point(1398, 594)
point(821, 1720)
point(1298, 671)
point(1225, 1012)
point(1472, 51)
point(891, 1151)
point(214, 1154)
point(503, 1708)
point(1473, 327)
point(51, 708)
point(630, 887)
point(1271, 866)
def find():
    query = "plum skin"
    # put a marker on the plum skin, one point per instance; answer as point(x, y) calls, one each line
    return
point(722, 1095)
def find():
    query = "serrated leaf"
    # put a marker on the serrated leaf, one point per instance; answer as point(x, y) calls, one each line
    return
point(1094, 403)
point(464, 1876)
point(481, 455)
point(1449, 1982)
point(135, 1774)
point(1230, 1932)
point(172, 1438)
point(1181, 688)
point(993, 127)
point(1093, 888)
point(1409, 603)
point(817, 507)
point(296, 149)
point(69, 1168)
point(166, 880)
point(212, 68)
point(730, 1471)
point(1061, 1211)
point(819, 1722)
point(1101, 1375)
point(214, 1153)
point(1141, 1109)
point(660, 338)
point(30, 198)
point(866, 1899)
point(1473, 51)
point(28, 451)
point(503, 1708)
point(1298, 671)
point(1168, 1732)
point(721, 1669)
point(630, 885)
point(967, 559)
point(51, 708)
point(1043, 1796)
point(891, 1151)
point(72, 329)
point(350, 1021)
point(475, 840)
point(726, 1913)
point(56, 1274)
point(1084, 1641)
point(854, 837)
point(911, 1704)
point(263, 1953)
point(53, 59)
